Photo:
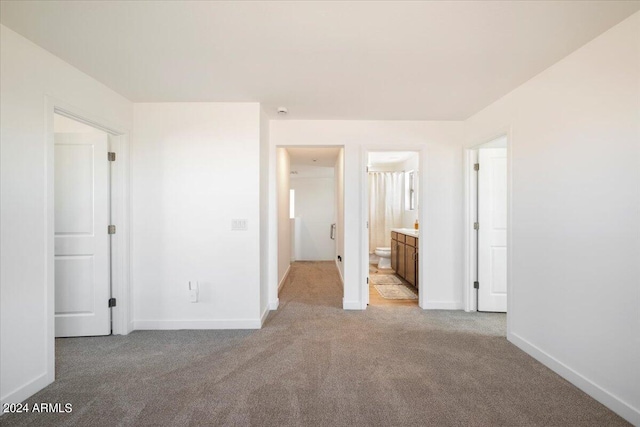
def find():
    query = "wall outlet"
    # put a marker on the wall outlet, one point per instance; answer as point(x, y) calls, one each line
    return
point(193, 291)
point(239, 224)
point(193, 295)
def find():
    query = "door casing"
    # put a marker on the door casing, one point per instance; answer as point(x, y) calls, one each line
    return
point(421, 150)
point(120, 242)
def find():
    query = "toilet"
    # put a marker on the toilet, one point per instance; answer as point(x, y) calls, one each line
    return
point(385, 257)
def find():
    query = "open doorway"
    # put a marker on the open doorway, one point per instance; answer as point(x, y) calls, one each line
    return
point(488, 212)
point(393, 228)
point(310, 214)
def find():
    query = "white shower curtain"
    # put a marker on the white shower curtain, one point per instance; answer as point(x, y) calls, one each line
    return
point(385, 207)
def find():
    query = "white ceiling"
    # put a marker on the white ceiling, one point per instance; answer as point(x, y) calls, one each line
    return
point(313, 156)
point(312, 162)
point(389, 157)
point(435, 60)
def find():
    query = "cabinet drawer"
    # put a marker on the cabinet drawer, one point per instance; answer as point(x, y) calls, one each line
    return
point(412, 241)
point(394, 235)
point(401, 237)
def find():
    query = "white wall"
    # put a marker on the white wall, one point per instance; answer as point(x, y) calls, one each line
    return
point(315, 209)
point(339, 218)
point(575, 307)
point(443, 214)
point(264, 214)
point(283, 170)
point(28, 74)
point(575, 237)
point(195, 167)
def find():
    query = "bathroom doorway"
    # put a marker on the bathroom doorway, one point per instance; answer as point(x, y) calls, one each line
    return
point(393, 227)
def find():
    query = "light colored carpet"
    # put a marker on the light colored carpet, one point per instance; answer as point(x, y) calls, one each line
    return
point(395, 292)
point(384, 279)
point(315, 364)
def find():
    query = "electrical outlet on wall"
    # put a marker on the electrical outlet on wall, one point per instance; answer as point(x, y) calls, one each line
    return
point(193, 291)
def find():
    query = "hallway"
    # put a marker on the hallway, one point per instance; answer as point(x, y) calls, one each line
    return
point(315, 364)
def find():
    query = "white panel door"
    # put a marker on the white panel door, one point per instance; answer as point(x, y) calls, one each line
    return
point(492, 236)
point(82, 265)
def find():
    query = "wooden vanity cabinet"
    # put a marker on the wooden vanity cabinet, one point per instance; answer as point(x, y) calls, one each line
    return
point(394, 251)
point(404, 257)
point(401, 271)
point(410, 264)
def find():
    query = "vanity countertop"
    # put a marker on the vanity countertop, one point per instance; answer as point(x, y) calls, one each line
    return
point(407, 231)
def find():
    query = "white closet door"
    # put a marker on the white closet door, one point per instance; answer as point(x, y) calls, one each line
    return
point(492, 236)
point(82, 265)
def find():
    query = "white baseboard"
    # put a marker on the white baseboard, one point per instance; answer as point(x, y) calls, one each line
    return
point(284, 278)
point(29, 389)
point(351, 305)
point(149, 325)
point(273, 305)
point(263, 318)
point(443, 305)
point(603, 396)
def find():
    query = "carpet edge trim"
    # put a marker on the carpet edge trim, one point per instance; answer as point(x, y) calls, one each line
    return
point(284, 278)
point(339, 273)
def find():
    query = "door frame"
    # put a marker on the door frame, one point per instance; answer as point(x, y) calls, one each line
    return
point(119, 138)
point(469, 203)
point(422, 151)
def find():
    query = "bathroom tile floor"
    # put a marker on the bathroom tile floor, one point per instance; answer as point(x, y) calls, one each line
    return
point(375, 299)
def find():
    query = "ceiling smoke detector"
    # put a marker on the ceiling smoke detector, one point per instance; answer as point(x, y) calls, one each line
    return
point(282, 111)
